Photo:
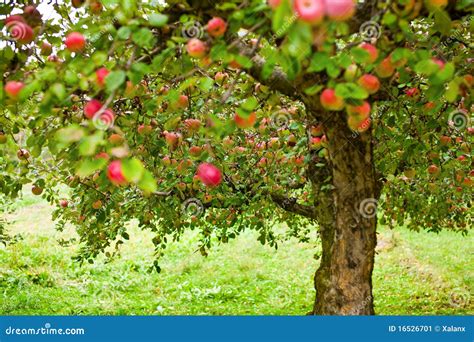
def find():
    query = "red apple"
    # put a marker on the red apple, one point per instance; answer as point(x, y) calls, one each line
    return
point(196, 48)
point(245, 122)
point(100, 75)
point(358, 124)
point(23, 154)
point(370, 83)
point(330, 101)
point(439, 62)
point(63, 203)
point(13, 88)
point(173, 139)
point(92, 107)
point(274, 3)
point(445, 140)
point(310, 11)
point(317, 131)
point(216, 27)
point(195, 151)
point(115, 173)
point(372, 50)
point(144, 129)
point(75, 42)
point(362, 111)
point(340, 10)
point(192, 125)
point(315, 143)
point(36, 190)
point(209, 174)
point(19, 30)
point(433, 169)
point(385, 68)
point(412, 92)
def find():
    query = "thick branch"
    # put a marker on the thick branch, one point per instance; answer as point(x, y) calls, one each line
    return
point(289, 204)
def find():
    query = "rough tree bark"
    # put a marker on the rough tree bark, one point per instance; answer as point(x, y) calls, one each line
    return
point(343, 281)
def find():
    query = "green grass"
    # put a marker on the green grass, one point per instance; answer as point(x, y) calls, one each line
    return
point(415, 273)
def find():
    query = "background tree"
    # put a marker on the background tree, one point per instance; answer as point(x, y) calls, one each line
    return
point(233, 115)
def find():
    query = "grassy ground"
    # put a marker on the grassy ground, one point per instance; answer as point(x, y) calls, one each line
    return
point(415, 273)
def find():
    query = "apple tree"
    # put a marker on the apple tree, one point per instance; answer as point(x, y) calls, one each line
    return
point(222, 116)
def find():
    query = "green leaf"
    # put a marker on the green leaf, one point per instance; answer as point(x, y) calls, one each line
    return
point(250, 104)
point(143, 37)
point(132, 170)
point(205, 84)
point(442, 22)
point(124, 33)
point(158, 19)
point(319, 62)
point(452, 91)
point(147, 183)
point(313, 89)
point(360, 55)
point(426, 67)
point(70, 134)
point(59, 90)
point(88, 145)
point(282, 18)
point(114, 80)
point(88, 166)
point(351, 91)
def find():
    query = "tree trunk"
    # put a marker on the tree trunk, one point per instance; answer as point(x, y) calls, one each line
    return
point(343, 281)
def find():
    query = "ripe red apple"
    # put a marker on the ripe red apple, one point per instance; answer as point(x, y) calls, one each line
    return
point(209, 174)
point(372, 50)
point(445, 140)
point(315, 143)
point(309, 11)
point(358, 124)
point(433, 169)
point(103, 155)
point(144, 129)
point(23, 154)
point(63, 203)
point(13, 88)
point(412, 92)
point(385, 68)
point(439, 62)
point(462, 159)
point(100, 75)
point(19, 30)
point(196, 48)
point(220, 77)
point(192, 125)
point(362, 111)
point(340, 10)
point(116, 139)
point(429, 105)
point(330, 101)
point(262, 162)
point(182, 102)
point(97, 205)
point(92, 107)
point(75, 42)
point(245, 122)
point(115, 173)
point(36, 190)
point(273, 3)
point(95, 6)
point(216, 27)
point(370, 83)
point(195, 151)
point(173, 139)
point(46, 48)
